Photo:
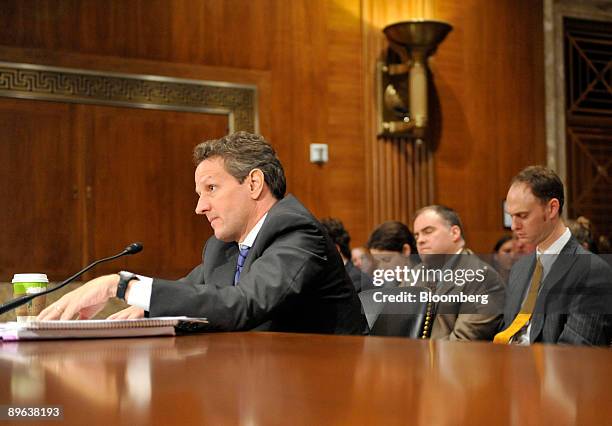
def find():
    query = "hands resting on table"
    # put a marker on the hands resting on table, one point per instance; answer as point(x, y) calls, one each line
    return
point(89, 299)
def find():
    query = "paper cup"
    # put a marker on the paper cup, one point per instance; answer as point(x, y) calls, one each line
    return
point(30, 284)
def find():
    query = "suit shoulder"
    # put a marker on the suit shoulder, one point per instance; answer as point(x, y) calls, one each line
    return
point(289, 214)
point(595, 263)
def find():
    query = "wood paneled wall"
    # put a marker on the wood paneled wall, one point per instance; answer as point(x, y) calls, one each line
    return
point(319, 57)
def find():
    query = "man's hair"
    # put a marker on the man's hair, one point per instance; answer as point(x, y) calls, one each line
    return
point(242, 152)
point(447, 214)
point(543, 182)
point(392, 235)
point(338, 234)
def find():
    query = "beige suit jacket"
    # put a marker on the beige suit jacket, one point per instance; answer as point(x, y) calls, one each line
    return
point(469, 321)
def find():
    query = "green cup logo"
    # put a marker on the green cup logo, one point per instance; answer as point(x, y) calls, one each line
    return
point(30, 284)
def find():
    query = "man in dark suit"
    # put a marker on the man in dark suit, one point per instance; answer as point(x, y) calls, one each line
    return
point(269, 265)
point(561, 293)
point(341, 238)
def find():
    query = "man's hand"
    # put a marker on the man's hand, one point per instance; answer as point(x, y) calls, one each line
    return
point(133, 312)
point(86, 301)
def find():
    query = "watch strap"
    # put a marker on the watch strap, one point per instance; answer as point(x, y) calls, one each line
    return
point(124, 279)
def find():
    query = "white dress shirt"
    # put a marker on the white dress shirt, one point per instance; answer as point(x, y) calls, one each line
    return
point(140, 291)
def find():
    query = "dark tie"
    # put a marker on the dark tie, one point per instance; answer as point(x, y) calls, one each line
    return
point(242, 254)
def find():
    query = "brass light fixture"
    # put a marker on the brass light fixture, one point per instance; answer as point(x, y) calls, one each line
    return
point(403, 77)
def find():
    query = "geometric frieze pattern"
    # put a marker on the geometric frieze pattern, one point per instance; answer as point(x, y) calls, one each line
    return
point(140, 91)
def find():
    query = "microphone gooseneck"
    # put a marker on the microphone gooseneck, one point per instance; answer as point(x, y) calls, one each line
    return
point(15, 303)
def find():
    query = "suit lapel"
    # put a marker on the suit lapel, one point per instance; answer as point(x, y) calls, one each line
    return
point(455, 261)
point(517, 292)
point(223, 273)
point(562, 265)
point(260, 243)
point(441, 287)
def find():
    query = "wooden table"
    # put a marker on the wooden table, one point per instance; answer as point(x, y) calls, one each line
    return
point(286, 379)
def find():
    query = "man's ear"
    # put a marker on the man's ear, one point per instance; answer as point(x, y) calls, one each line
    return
point(553, 207)
point(455, 233)
point(406, 250)
point(256, 182)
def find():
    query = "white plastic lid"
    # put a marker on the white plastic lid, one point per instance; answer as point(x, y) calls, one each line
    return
point(30, 278)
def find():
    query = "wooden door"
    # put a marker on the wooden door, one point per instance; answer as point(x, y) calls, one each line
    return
point(80, 182)
point(40, 214)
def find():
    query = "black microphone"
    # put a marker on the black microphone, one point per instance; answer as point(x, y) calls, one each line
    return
point(133, 248)
point(15, 303)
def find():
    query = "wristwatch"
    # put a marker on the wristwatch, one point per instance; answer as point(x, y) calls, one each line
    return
point(124, 279)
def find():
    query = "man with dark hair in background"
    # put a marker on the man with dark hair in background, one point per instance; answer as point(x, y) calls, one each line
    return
point(340, 236)
point(562, 293)
point(270, 265)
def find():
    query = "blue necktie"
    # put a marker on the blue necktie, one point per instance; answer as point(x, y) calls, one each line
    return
point(242, 254)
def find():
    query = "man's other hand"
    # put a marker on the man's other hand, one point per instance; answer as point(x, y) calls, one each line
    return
point(133, 312)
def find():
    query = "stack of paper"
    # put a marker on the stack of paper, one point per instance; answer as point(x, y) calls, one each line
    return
point(160, 326)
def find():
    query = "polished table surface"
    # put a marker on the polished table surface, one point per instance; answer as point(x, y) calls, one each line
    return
point(273, 378)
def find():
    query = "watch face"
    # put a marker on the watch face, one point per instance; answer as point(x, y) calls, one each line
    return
point(127, 276)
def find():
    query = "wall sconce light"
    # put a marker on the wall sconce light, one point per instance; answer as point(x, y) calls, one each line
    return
point(403, 77)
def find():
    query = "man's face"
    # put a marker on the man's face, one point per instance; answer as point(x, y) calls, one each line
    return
point(226, 203)
point(531, 218)
point(434, 235)
point(362, 259)
point(357, 255)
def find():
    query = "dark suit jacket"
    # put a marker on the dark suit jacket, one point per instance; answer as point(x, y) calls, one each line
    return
point(574, 301)
point(360, 280)
point(293, 280)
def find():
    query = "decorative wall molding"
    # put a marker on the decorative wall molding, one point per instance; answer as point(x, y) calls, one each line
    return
point(237, 101)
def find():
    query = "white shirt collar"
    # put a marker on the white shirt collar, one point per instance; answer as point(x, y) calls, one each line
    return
point(250, 238)
point(557, 246)
point(550, 254)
